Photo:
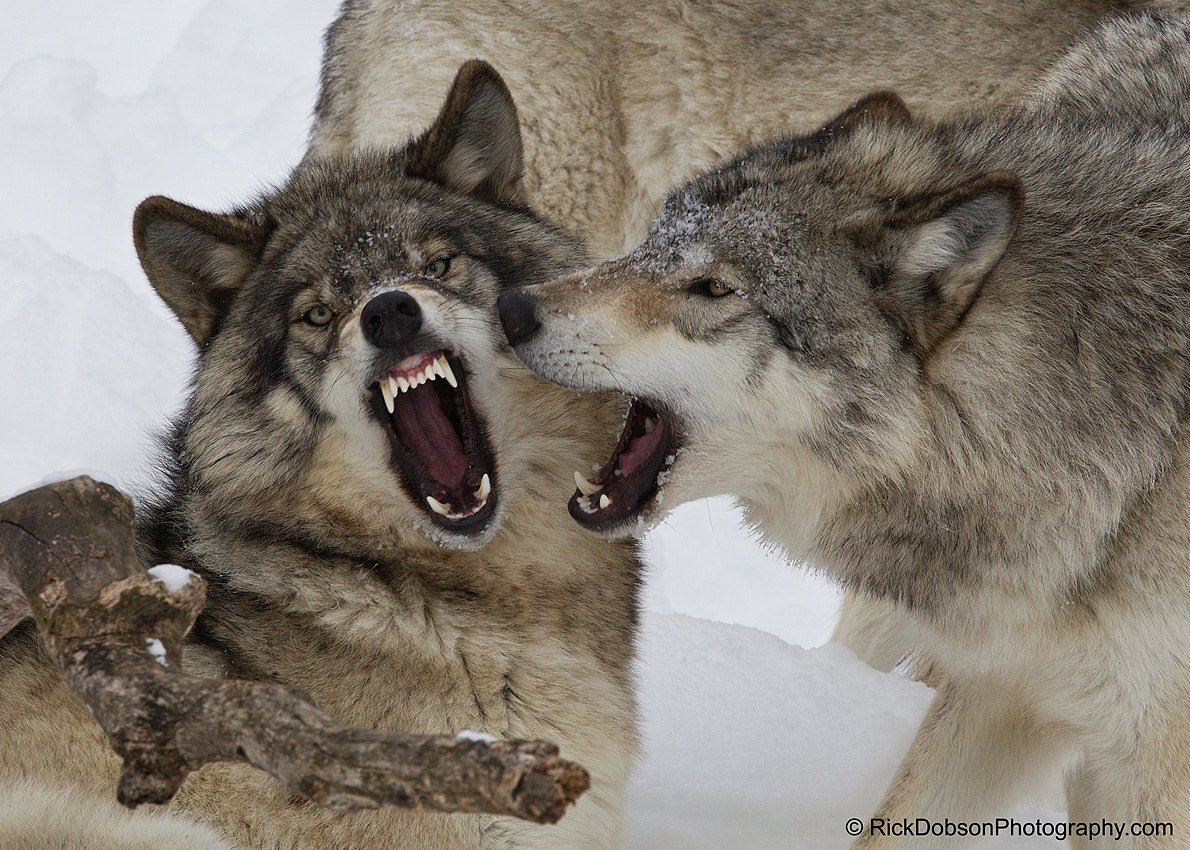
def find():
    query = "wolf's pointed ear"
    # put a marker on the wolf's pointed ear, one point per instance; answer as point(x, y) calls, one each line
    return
point(883, 106)
point(195, 260)
point(939, 248)
point(474, 146)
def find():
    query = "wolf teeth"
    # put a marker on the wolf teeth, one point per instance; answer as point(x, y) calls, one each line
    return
point(485, 487)
point(650, 424)
point(445, 371)
point(392, 387)
point(584, 486)
point(584, 502)
point(437, 507)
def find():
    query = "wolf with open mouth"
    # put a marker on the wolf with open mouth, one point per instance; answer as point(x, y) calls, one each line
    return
point(371, 483)
point(948, 363)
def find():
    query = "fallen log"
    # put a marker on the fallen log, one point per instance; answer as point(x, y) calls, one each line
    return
point(116, 630)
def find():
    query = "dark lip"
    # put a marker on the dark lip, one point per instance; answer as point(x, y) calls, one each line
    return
point(643, 489)
point(409, 469)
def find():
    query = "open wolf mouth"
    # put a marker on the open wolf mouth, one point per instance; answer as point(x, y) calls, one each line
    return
point(439, 443)
point(634, 473)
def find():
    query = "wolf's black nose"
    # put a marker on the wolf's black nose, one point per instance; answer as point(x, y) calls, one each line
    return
point(391, 320)
point(518, 314)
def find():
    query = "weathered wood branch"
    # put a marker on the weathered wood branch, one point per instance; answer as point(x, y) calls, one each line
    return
point(13, 607)
point(69, 546)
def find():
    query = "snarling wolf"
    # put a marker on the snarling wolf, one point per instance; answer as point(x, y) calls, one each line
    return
point(372, 484)
point(948, 363)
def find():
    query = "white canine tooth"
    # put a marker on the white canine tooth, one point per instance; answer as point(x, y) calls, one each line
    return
point(485, 487)
point(403, 384)
point(392, 386)
point(386, 391)
point(650, 424)
point(436, 506)
point(604, 501)
point(436, 367)
point(447, 372)
point(584, 486)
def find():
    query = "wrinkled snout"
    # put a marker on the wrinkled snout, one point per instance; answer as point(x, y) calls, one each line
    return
point(391, 320)
point(518, 315)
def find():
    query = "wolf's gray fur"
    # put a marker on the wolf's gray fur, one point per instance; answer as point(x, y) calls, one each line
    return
point(303, 501)
point(625, 100)
point(950, 364)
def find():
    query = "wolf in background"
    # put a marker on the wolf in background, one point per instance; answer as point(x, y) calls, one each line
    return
point(370, 482)
point(948, 363)
point(622, 101)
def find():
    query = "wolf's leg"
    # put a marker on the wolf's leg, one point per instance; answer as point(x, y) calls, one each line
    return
point(1143, 784)
point(976, 748)
point(38, 816)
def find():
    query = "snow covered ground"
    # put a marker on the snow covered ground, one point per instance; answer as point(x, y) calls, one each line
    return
point(757, 735)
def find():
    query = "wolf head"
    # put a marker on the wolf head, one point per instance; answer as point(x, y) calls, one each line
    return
point(351, 374)
point(783, 301)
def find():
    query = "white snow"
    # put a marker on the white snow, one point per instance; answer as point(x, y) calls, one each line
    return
point(157, 650)
point(172, 576)
point(469, 735)
point(756, 736)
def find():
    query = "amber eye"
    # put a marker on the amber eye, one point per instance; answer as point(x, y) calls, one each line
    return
point(709, 287)
point(319, 316)
point(437, 268)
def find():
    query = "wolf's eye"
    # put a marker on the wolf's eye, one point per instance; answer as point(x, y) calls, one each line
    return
point(319, 316)
point(709, 287)
point(437, 268)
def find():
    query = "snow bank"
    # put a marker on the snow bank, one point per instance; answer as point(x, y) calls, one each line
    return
point(751, 742)
point(88, 368)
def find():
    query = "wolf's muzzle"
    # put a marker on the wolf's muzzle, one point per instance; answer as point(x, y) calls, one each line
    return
point(518, 315)
point(391, 320)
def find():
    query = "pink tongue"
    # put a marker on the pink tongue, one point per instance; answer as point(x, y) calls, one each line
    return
point(641, 448)
point(424, 428)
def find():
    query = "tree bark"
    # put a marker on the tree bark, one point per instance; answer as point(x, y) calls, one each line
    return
point(13, 607)
point(116, 632)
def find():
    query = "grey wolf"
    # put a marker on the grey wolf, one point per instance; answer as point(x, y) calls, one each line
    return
point(623, 101)
point(949, 364)
point(372, 485)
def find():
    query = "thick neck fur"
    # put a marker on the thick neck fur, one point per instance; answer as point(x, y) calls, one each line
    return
point(1044, 424)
